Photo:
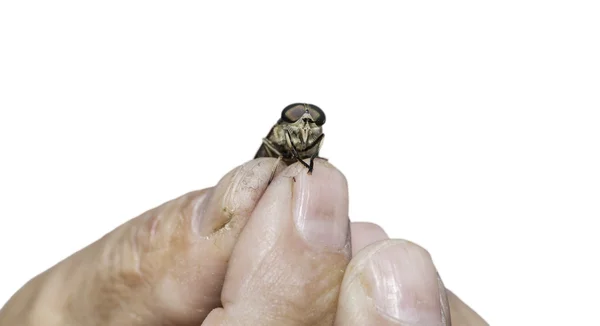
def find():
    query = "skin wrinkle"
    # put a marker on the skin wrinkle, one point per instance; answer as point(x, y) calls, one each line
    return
point(124, 280)
point(259, 267)
point(270, 236)
point(153, 270)
point(355, 275)
point(212, 211)
point(297, 286)
point(121, 277)
point(358, 287)
point(293, 294)
point(166, 211)
point(245, 196)
point(245, 181)
point(238, 188)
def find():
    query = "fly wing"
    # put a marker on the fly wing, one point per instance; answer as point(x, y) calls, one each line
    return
point(263, 150)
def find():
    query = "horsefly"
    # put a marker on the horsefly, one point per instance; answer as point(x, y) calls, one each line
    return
point(296, 136)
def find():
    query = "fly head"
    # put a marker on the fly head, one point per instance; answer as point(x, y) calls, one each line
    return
point(297, 135)
point(304, 123)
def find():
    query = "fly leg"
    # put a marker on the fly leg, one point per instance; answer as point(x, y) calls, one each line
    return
point(272, 152)
point(267, 149)
point(318, 142)
point(297, 157)
point(274, 170)
point(312, 163)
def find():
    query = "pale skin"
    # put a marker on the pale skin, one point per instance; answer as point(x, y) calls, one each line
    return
point(245, 252)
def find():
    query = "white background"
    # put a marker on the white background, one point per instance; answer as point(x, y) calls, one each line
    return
point(469, 128)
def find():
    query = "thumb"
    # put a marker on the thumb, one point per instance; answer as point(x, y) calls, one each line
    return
point(165, 266)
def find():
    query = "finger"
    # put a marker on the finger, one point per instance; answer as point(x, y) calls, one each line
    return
point(288, 264)
point(164, 267)
point(364, 234)
point(462, 314)
point(392, 282)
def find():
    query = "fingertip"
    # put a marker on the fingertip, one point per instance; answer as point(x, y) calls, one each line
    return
point(300, 222)
point(364, 234)
point(216, 317)
point(461, 313)
point(236, 194)
point(174, 257)
point(392, 282)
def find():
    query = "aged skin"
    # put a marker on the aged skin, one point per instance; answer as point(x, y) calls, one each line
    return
point(296, 136)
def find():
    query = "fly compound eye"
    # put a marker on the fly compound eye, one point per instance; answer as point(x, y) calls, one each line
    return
point(317, 114)
point(293, 112)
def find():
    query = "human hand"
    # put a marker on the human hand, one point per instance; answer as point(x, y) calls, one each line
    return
point(245, 253)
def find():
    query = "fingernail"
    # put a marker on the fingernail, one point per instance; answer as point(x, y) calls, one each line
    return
point(235, 195)
point(321, 206)
point(405, 284)
point(199, 210)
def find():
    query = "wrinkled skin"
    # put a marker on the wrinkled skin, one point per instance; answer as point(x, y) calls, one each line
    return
point(244, 253)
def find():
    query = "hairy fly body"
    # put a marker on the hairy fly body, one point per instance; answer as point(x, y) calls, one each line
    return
point(296, 136)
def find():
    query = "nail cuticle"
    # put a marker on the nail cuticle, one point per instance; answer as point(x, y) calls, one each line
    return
point(445, 311)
